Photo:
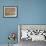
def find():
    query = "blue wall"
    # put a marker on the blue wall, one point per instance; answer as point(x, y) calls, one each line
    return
point(29, 12)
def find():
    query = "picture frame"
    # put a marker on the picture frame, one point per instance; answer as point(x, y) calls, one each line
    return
point(10, 11)
point(37, 29)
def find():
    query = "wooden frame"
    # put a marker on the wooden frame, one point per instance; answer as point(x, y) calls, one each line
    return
point(10, 11)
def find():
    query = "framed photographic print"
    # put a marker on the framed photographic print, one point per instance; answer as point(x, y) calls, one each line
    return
point(10, 11)
point(33, 32)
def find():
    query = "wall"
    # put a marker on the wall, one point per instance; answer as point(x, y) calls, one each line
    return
point(7, 25)
point(29, 12)
point(32, 11)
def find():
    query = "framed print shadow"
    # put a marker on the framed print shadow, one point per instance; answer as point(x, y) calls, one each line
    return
point(10, 11)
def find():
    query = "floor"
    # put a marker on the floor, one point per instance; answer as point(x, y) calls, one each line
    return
point(30, 43)
point(7, 45)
